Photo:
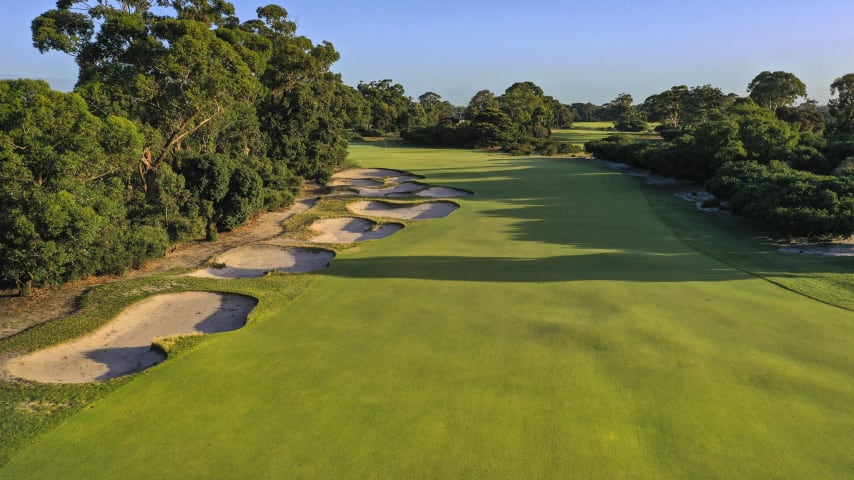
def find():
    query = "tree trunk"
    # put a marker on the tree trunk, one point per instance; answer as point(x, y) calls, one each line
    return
point(25, 286)
point(210, 231)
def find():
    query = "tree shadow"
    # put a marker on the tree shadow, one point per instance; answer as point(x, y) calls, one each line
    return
point(122, 361)
point(642, 267)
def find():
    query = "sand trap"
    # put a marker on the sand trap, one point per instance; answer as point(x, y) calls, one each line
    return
point(349, 230)
point(256, 260)
point(355, 182)
point(405, 189)
point(442, 192)
point(419, 211)
point(123, 345)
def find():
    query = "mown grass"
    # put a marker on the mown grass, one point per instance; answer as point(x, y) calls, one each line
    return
point(566, 322)
point(579, 136)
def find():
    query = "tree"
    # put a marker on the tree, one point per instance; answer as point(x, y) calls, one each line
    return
point(434, 108)
point(842, 107)
point(62, 186)
point(389, 106)
point(773, 90)
point(301, 114)
point(481, 101)
point(173, 75)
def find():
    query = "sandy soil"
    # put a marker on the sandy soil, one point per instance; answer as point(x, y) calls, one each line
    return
point(418, 211)
point(123, 345)
point(256, 260)
point(349, 230)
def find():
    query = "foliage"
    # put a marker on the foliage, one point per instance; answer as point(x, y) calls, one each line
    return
point(183, 120)
point(773, 90)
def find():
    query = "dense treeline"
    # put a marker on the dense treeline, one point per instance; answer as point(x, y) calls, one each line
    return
point(183, 122)
point(760, 155)
point(520, 121)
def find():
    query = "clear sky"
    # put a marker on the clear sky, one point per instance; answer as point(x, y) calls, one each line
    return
point(577, 51)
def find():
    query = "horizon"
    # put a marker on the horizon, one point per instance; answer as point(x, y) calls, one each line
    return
point(575, 53)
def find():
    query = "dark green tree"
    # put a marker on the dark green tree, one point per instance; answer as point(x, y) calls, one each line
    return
point(773, 90)
point(842, 106)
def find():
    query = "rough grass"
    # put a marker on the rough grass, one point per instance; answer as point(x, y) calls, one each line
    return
point(566, 322)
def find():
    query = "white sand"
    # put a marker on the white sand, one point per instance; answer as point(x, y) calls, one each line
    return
point(418, 211)
point(122, 346)
point(442, 192)
point(403, 188)
point(349, 230)
point(256, 260)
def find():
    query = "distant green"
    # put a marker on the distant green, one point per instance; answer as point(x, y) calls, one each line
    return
point(566, 322)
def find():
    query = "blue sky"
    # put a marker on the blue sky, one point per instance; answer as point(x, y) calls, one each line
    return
point(577, 51)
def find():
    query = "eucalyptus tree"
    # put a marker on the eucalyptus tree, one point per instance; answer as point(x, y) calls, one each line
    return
point(304, 109)
point(773, 90)
point(389, 106)
point(842, 106)
point(434, 108)
point(63, 173)
point(481, 101)
point(172, 75)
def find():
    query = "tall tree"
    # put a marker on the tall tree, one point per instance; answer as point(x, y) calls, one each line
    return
point(481, 101)
point(773, 90)
point(842, 107)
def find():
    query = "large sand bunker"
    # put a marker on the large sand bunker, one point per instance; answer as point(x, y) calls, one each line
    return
point(349, 230)
point(417, 211)
point(123, 345)
point(256, 260)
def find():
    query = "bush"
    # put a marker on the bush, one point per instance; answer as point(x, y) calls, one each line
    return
point(630, 125)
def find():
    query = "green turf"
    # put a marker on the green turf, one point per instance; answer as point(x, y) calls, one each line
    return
point(579, 136)
point(566, 322)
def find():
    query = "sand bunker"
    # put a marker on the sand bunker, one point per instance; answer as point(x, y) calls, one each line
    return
point(442, 192)
point(349, 230)
point(256, 260)
point(405, 189)
point(418, 211)
point(355, 182)
point(123, 345)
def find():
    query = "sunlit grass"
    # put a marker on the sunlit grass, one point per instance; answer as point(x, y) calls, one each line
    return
point(565, 322)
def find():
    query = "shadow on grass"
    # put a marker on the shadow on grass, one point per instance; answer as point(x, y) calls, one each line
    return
point(600, 266)
point(574, 202)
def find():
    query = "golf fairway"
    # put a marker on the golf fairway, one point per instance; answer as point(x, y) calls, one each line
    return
point(554, 326)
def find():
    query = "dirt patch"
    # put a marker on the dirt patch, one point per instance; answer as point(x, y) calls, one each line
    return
point(350, 230)
point(417, 211)
point(256, 260)
point(123, 346)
